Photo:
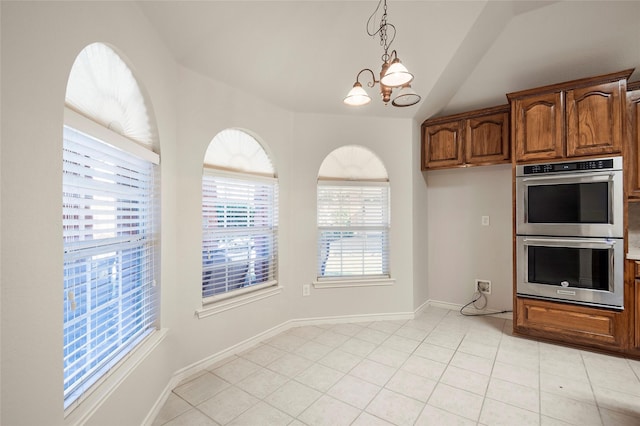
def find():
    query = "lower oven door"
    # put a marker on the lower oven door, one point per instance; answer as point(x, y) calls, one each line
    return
point(586, 271)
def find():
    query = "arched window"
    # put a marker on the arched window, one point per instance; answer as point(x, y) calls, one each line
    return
point(108, 219)
point(239, 217)
point(353, 215)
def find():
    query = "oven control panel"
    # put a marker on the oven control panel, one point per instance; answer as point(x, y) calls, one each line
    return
point(573, 166)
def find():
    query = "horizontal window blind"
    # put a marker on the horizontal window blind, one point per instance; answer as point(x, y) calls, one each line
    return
point(109, 298)
point(353, 230)
point(239, 235)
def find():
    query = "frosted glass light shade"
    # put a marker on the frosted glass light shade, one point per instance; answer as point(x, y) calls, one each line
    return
point(396, 75)
point(406, 97)
point(357, 96)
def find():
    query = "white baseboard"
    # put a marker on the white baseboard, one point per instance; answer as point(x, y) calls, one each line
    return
point(352, 318)
point(420, 309)
point(470, 309)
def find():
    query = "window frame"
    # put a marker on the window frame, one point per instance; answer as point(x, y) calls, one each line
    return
point(115, 142)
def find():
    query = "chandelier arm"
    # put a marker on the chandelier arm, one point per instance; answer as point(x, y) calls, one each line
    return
point(373, 77)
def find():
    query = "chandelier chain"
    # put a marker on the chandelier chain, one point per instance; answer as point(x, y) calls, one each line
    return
point(382, 29)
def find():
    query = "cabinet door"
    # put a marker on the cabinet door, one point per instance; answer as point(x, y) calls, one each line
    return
point(442, 145)
point(637, 314)
point(487, 139)
point(571, 323)
point(594, 119)
point(537, 127)
point(632, 170)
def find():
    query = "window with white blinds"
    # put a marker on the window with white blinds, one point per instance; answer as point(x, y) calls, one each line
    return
point(109, 286)
point(240, 233)
point(353, 229)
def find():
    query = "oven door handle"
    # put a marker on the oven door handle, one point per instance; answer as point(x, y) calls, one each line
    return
point(567, 241)
point(591, 176)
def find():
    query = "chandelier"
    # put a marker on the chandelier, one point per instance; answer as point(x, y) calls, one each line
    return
point(393, 74)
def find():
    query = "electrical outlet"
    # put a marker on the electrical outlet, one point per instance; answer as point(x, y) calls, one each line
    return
point(485, 220)
point(483, 286)
point(306, 289)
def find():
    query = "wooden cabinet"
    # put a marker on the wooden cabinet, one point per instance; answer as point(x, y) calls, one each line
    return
point(570, 323)
point(486, 138)
point(537, 127)
point(634, 304)
point(473, 138)
point(442, 145)
point(632, 163)
point(594, 119)
point(574, 119)
point(636, 325)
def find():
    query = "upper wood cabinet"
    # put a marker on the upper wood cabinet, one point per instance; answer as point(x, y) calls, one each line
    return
point(442, 145)
point(594, 119)
point(479, 137)
point(574, 119)
point(537, 123)
point(632, 163)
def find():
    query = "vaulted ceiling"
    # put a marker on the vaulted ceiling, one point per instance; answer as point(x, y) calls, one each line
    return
point(304, 55)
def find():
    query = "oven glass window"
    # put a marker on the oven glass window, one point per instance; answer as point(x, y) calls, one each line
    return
point(580, 267)
point(568, 203)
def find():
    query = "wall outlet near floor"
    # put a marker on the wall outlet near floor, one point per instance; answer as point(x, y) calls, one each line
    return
point(485, 220)
point(306, 289)
point(483, 286)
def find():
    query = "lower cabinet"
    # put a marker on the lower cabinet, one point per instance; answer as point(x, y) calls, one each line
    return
point(572, 324)
point(637, 315)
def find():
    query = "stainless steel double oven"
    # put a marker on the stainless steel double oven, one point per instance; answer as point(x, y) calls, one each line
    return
point(569, 226)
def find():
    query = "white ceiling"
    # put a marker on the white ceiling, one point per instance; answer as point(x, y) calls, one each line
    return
point(304, 55)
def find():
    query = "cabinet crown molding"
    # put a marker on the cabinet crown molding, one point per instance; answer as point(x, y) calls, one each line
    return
point(573, 84)
point(633, 86)
point(467, 114)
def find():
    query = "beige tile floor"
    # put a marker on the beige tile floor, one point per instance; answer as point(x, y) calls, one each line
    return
point(438, 369)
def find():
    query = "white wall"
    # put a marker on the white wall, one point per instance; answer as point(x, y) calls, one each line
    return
point(460, 249)
point(204, 109)
point(39, 44)
point(315, 136)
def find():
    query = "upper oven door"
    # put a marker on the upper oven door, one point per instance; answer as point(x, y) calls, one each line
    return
point(583, 204)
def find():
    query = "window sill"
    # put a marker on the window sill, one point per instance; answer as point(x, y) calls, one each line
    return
point(233, 302)
point(374, 282)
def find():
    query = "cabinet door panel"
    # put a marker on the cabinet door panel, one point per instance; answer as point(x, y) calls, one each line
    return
point(570, 323)
point(487, 139)
point(443, 145)
point(594, 120)
point(637, 314)
point(537, 127)
point(632, 165)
